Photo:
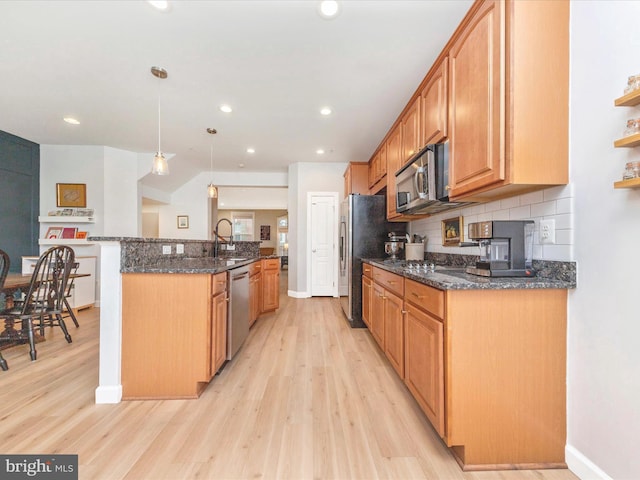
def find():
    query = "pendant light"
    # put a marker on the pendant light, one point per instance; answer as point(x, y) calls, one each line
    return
point(212, 190)
point(160, 165)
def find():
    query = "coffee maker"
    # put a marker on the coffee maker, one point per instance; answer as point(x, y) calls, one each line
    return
point(506, 248)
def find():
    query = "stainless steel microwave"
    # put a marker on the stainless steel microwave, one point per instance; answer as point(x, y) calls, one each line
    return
point(422, 184)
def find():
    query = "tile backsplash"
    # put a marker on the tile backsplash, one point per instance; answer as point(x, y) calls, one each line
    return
point(552, 203)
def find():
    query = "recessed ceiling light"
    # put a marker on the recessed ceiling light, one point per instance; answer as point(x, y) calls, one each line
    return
point(241, 165)
point(226, 108)
point(71, 120)
point(325, 111)
point(328, 9)
point(159, 4)
point(251, 150)
point(320, 151)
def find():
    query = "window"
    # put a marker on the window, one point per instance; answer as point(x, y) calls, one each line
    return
point(243, 226)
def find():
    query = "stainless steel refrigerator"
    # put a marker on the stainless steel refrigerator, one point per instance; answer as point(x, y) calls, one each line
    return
point(363, 231)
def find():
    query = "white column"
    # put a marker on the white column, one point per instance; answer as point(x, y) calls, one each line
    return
point(109, 385)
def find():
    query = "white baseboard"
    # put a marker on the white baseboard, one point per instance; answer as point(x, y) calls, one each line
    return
point(295, 294)
point(109, 394)
point(581, 466)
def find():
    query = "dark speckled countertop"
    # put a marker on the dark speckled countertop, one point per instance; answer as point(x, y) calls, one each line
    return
point(191, 265)
point(455, 278)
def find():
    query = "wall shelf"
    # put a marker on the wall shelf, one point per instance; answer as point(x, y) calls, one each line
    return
point(631, 99)
point(630, 141)
point(64, 241)
point(631, 183)
point(65, 219)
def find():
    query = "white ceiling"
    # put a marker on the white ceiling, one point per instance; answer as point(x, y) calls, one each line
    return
point(275, 62)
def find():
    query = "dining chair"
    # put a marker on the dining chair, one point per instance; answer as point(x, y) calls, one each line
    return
point(44, 300)
point(5, 263)
point(67, 310)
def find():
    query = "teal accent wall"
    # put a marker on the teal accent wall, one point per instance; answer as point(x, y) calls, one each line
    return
point(19, 197)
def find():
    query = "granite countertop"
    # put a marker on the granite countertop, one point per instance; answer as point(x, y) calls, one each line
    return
point(455, 278)
point(191, 265)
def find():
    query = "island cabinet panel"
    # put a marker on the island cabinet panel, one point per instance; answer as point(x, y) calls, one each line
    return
point(394, 331)
point(166, 334)
point(218, 323)
point(367, 295)
point(505, 378)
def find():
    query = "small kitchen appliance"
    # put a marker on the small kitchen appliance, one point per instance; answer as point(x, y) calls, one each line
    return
point(506, 248)
point(395, 245)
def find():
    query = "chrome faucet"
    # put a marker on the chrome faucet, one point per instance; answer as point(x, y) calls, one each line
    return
point(217, 237)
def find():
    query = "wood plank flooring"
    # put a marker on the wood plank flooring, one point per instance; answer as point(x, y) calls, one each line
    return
point(305, 398)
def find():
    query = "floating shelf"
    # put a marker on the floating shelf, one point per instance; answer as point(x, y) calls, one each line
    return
point(629, 100)
point(632, 183)
point(64, 241)
point(65, 219)
point(630, 141)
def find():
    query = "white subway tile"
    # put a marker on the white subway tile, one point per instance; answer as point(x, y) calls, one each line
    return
point(563, 221)
point(561, 253)
point(510, 202)
point(543, 209)
point(564, 237)
point(564, 205)
point(520, 213)
point(561, 191)
point(532, 197)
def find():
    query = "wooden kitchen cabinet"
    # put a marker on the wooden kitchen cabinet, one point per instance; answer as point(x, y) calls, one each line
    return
point(218, 323)
point(270, 284)
point(509, 99)
point(434, 105)
point(411, 141)
point(424, 350)
point(378, 171)
point(367, 296)
point(173, 333)
point(255, 291)
point(386, 316)
point(356, 178)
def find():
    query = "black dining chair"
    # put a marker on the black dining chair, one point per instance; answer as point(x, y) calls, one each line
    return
point(44, 301)
point(67, 310)
point(5, 263)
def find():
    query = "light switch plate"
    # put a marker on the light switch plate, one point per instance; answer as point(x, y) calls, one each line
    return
point(179, 248)
point(166, 249)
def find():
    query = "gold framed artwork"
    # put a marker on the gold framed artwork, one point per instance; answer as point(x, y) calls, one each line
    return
point(183, 221)
point(452, 233)
point(71, 195)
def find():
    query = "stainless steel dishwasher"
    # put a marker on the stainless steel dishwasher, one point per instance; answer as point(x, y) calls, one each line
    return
point(238, 326)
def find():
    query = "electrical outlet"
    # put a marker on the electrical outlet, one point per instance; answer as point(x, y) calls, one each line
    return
point(231, 247)
point(166, 249)
point(179, 248)
point(548, 231)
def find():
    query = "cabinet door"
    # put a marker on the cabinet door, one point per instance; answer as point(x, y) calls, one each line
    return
point(424, 364)
point(476, 99)
point(377, 315)
point(367, 292)
point(411, 131)
point(394, 332)
point(394, 162)
point(434, 106)
point(253, 299)
point(270, 290)
point(373, 169)
point(219, 331)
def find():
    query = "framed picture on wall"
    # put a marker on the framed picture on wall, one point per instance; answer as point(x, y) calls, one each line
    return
point(183, 221)
point(452, 233)
point(71, 195)
point(265, 232)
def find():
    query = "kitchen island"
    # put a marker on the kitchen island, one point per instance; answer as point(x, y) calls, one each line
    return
point(163, 316)
point(485, 358)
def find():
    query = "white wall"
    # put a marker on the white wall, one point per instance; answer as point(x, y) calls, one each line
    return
point(604, 325)
point(191, 199)
point(304, 178)
point(553, 203)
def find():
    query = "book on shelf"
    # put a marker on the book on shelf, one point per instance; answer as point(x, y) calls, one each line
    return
point(53, 233)
point(69, 232)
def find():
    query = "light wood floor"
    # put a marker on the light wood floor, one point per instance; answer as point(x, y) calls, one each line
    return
point(305, 398)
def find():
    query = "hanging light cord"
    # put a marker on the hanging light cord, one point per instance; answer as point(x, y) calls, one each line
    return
point(159, 119)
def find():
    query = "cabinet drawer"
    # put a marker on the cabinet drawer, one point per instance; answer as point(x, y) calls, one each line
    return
point(390, 281)
point(271, 263)
point(367, 270)
point(425, 297)
point(254, 268)
point(219, 283)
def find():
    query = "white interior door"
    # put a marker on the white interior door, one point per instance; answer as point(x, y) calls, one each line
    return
point(322, 217)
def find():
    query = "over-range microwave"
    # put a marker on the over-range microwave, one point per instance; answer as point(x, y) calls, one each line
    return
point(422, 184)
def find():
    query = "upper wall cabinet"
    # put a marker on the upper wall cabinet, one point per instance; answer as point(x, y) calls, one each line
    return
point(434, 105)
point(411, 141)
point(509, 99)
point(377, 170)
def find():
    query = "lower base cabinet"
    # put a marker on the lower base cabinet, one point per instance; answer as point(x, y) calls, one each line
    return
point(218, 323)
point(255, 291)
point(487, 367)
point(270, 284)
point(367, 295)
